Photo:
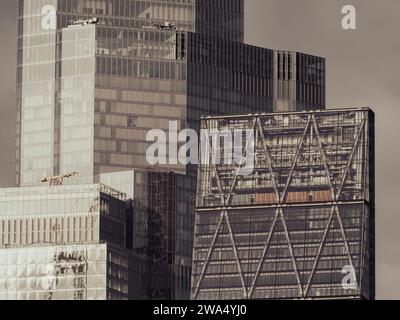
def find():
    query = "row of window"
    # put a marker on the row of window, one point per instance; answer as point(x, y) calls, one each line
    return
point(77, 229)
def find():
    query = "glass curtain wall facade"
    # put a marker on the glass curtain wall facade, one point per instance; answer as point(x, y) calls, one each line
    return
point(300, 222)
point(61, 215)
point(76, 123)
point(36, 86)
point(88, 94)
point(299, 82)
point(146, 75)
point(66, 243)
point(226, 77)
point(220, 18)
point(69, 272)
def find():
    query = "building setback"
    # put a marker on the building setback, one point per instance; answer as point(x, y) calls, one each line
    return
point(301, 225)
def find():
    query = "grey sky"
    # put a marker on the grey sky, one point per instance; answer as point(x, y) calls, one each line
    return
point(363, 70)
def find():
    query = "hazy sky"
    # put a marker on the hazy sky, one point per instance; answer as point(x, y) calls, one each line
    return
point(363, 69)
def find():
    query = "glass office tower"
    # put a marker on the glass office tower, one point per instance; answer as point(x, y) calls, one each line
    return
point(95, 76)
point(122, 34)
point(88, 95)
point(301, 223)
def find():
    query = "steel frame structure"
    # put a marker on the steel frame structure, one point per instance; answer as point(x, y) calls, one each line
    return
point(311, 132)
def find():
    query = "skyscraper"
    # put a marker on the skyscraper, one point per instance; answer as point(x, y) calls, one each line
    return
point(301, 223)
point(88, 95)
point(95, 76)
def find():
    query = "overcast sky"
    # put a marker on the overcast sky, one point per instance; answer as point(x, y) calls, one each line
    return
point(363, 69)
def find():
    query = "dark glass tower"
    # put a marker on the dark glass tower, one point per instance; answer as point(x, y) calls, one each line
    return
point(301, 224)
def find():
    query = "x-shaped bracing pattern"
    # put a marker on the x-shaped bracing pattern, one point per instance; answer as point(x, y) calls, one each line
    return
point(279, 212)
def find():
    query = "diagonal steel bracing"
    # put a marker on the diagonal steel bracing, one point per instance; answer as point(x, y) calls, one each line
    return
point(279, 210)
point(269, 161)
point(236, 255)
point(264, 253)
point(224, 215)
point(295, 159)
point(353, 152)
point(279, 213)
point(321, 246)
point(335, 207)
point(324, 158)
point(292, 254)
